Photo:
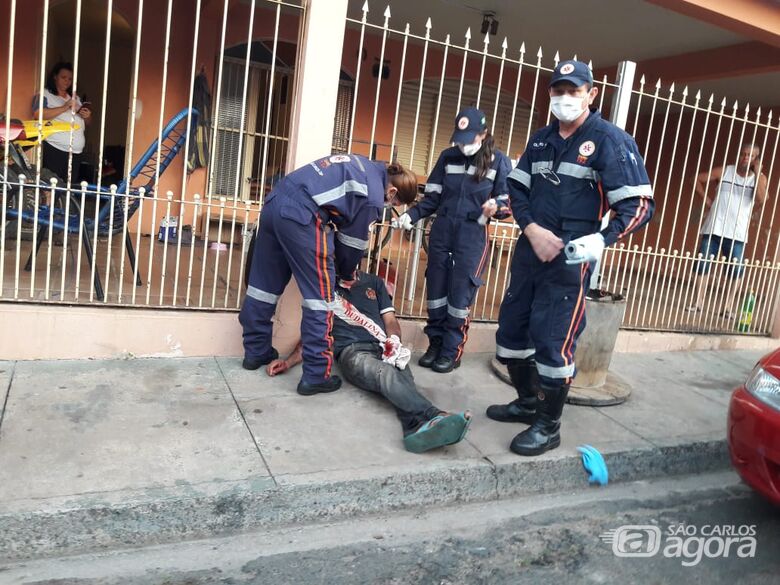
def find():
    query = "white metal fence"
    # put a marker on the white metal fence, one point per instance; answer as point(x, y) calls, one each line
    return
point(400, 106)
point(97, 241)
point(679, 136)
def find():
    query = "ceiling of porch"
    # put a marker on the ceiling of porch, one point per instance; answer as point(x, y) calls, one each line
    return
point(604, 31)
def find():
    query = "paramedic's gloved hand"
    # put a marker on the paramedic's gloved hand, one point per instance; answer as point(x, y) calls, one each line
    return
point(585, 249)
point(489, 209)
point(404, 222)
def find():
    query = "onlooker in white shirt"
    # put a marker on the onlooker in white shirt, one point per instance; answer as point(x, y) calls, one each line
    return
point(725, 229)
point(60, 104)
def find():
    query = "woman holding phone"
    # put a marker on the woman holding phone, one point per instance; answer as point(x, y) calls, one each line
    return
point(59, 103)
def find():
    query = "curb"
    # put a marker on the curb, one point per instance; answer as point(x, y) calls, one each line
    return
point(96, 522)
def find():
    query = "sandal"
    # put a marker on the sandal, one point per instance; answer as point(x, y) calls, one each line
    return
point(444, 429)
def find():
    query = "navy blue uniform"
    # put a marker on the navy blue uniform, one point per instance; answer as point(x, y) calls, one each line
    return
point(296, 238)
point(458, 245)
point(566, 186)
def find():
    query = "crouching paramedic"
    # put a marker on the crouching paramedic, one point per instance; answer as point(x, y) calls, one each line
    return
point(573, 171)
point(367, 345)
point(296, 237)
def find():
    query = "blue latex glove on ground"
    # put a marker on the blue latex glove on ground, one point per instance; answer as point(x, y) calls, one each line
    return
point(594, 465)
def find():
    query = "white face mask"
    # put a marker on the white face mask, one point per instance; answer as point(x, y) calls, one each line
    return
point(567, 108)
point(470, 149)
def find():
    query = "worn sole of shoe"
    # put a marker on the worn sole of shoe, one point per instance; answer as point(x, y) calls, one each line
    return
point(448, 431)
point(554, 444)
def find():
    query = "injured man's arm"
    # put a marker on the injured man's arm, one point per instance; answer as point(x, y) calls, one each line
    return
point(281, 366)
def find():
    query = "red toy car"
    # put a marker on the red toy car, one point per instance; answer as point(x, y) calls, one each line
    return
point(754, 428)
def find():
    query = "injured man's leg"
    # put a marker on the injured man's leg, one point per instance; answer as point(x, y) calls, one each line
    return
point(425, 426)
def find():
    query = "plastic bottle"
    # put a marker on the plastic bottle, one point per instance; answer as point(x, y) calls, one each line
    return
point(746, 315)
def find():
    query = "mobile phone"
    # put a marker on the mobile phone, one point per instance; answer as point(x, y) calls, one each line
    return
point(87, 105)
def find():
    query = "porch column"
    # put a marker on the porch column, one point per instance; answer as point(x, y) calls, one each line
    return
point(316, 81)
point(317, 73)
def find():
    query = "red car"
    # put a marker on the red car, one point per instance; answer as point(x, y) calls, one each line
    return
point(754, 428)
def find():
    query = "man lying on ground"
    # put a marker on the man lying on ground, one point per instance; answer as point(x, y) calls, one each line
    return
point(366, 317)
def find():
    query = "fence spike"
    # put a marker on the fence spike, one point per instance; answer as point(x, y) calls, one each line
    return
point(365, 8)
point(505, 44)
point(468, 33)
point(428, 24)
point(522, 48)
point(539, 52)
point(387, 12)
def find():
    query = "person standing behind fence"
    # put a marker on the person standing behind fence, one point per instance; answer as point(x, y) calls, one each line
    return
point(725, 229)
point(295, 238)
point(59, 103)
point(572, 173)
point(466, 187)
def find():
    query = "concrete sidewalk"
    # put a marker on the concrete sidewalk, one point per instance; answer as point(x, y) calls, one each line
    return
point(96, 455)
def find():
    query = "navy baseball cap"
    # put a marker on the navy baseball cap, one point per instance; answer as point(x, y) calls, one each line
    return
point(468, 124)
point(575, 72)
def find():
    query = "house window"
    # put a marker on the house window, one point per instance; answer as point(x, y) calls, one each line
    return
point(244, 168)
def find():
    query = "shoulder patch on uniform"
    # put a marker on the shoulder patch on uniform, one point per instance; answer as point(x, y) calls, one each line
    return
point(339, 158)
point(587, 148)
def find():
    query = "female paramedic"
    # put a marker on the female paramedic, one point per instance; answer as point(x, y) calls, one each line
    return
point(466, 187)
point(296, 238)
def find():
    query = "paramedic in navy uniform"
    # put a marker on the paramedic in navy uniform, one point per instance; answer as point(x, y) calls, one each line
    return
point(296, 237)
point(572, 172)
point(467, 185)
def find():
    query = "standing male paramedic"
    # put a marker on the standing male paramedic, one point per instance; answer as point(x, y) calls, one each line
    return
point(573, 172)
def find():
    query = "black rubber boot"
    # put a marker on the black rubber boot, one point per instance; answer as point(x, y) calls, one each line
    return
point(431, 354)
point(544, 433)
point(256, 362)
point(330, 385)
point(442, 365)
point(525, 379)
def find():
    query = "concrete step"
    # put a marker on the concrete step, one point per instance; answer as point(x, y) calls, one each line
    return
point(501, 541)
point(95, 522)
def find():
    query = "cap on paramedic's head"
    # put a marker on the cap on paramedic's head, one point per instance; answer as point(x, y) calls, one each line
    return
point(575, 72)
point(468, 124)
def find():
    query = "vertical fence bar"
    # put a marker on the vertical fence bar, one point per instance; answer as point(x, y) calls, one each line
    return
point(6, 140)
point(357, 74)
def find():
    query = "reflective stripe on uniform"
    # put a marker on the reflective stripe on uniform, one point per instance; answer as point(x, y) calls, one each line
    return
point(521, 177)
point(261, 295)
point(628, 191)
point(318, 305)
point(554, 372)
point(340, 191)
point(537, 167)
point(490, 175)
point(520, 354)
point(437, 303)
point(455, 169)
point(456, 312)
point(577, 171)
point(433, 188)
point(356, 243)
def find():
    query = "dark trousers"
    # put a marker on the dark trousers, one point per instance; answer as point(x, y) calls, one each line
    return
point(457, 256)
point(56, 161)
point(362, 365)
point(292, 241)
point(543, 313)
